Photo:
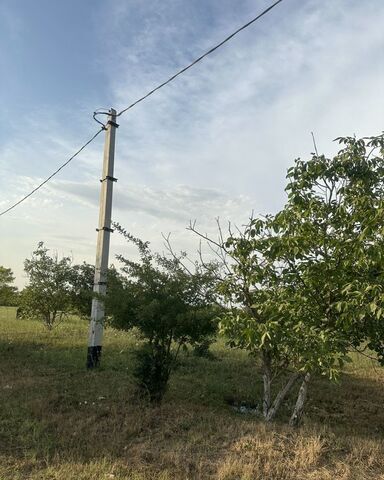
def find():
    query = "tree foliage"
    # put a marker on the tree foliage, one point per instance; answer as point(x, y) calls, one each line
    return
point(81, 288)
point(168, 306)
point(48, 294)
point(305, 286)
point(330, 237)
point(8, 292)
point(57, 287)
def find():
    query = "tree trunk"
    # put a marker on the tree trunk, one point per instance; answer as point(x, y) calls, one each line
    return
point(267, 379)
point(281, 396)
point(48, 321)
point(299, 407)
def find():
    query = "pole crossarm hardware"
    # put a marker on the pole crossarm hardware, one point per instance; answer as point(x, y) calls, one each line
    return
point(108, 178)
point(104, 230)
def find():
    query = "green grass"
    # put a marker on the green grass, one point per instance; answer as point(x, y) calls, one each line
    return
point(59, 421)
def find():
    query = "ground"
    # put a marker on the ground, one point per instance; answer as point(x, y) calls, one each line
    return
point(61, 422)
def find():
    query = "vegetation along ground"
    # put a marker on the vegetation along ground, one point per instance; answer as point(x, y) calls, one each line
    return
point(59, 421)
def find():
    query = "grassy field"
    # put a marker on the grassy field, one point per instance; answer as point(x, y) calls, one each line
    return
point(60, 422)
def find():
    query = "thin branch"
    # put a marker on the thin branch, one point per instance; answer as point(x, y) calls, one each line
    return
point(168, 246)
point(314, 144)
point(364, 354)
point(192, 228)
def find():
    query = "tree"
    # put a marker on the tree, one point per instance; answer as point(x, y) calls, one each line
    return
point(81, 289)
point(48, 295)
point(330, 237)
point(168, 306)
point(305, 286)
point(8, 293)
point(262, 318)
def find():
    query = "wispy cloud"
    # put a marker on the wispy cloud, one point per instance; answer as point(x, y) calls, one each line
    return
point(216, 142)
point(241, 117)
point(178, 204)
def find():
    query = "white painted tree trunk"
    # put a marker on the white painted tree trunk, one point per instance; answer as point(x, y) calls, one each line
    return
point(270, 409)
point(281, 396)
point(299, 407)
point(267, 379)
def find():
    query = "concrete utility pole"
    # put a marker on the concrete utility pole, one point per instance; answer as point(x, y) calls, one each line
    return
point(102, 250)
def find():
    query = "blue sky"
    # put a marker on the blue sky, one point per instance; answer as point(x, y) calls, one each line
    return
point(216, 142)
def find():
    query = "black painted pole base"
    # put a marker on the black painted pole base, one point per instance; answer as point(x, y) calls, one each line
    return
point(93, 356)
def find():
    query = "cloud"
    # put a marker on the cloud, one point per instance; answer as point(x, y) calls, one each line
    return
point(237, 120)
point(218, 140)
point(178, 204)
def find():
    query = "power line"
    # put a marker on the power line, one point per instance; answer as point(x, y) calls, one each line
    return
point(151, 92)
point(54, 173)
point(198, 59)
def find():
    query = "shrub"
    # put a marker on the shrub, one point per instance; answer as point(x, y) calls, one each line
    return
point(168, 306)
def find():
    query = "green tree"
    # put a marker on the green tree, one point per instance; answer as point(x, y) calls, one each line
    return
point(330, 238)
point(305, 286)
point(168, 307)
point(261, 318)
point(8, 292)
point(48, 294)
point(81, 288)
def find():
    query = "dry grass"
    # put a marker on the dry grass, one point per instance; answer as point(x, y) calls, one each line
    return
point(58, 421)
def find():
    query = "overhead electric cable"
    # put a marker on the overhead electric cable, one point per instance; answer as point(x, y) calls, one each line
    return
point(151, 92)
point(197, 59)
point(54, 173)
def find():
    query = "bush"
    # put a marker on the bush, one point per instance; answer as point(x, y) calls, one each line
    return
point(202, 349)
point(168, 306)
point(48, 295)
point(152, 371)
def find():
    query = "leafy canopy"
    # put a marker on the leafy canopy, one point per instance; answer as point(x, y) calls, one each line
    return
point(48, 294)
point(329, 237)
point(8, 292)
point(168, 306)
point(305, 286)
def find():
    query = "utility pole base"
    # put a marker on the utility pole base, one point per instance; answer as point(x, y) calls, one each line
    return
point(93, 356)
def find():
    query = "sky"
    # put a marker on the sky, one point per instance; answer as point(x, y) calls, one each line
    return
point(216, 142)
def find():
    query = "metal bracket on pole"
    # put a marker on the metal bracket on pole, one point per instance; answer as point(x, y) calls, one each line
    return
point(114, 124)
point(112, 179)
